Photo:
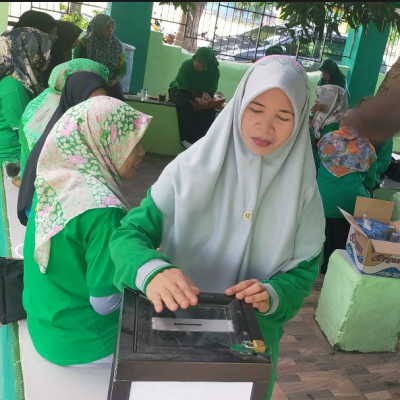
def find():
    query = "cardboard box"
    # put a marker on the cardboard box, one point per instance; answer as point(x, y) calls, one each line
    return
point(373, 257)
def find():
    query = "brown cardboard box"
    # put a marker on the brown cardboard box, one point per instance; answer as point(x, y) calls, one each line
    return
point(373, 257)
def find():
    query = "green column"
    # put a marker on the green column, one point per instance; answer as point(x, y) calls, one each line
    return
point(3, 16)
point(364, 62)
point(133, 27)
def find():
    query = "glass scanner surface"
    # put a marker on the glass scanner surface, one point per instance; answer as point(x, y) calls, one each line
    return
point(216, 323)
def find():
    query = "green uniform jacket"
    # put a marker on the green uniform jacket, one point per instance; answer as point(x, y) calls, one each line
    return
point(64, 327)
point(14, 97)
point(136, 241)
point(342, 192)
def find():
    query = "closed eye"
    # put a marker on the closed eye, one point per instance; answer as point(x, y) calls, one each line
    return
point(256, 111)
point(283, 119)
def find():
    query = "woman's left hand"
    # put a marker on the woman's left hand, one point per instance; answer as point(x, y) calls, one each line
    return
point(252, 291)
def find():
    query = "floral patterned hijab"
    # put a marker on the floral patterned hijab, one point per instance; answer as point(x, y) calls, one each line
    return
point(334, 104)
point(39, 111)
point(104, 51)
point(342, 152)
point(77, 168)
point(23, 53)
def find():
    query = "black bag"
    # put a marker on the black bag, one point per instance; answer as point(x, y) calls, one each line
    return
point(393, 171)
point(11, 286)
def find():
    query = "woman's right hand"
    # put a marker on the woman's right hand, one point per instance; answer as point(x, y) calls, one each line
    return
point(172, 288)
point(206, 97)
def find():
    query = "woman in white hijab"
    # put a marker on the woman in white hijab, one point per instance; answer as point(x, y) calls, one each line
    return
point(239, 212)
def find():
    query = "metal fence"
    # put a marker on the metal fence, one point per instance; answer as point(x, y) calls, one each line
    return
point(245, 33)
point(16, 9)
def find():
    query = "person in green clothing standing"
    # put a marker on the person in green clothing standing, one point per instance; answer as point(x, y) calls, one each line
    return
point(99, 44)
point(330, 106)
point(238, 212)
point(346, 169)
point(197, 80)
point(24, 53)
point(69, 296)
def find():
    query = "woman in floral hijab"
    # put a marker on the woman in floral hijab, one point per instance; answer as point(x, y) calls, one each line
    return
point(71, 302)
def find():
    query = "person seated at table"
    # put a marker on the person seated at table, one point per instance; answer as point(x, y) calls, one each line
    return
point(78, 87)
point(330, 106)
point(39, 111)
point(346, 169)
point(331, 74)
point(71, 303)
point(197, 80)
point(238, 212)
point(24, 53)
point(99, 44)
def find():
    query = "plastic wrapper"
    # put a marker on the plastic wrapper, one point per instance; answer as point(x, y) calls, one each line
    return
point(378, 230)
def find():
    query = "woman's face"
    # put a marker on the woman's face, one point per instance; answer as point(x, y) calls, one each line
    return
point(131, 164)
point(325, 76)
point(267, 122)
point(197, 65)
point(108, 32)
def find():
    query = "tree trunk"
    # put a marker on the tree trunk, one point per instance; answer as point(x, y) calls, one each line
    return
point(391, 80)
point(180, 35)
point(192, 27)
point(74, 7)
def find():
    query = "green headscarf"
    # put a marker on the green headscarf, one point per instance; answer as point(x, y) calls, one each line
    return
point(199, 81)
point(206, 56)
point(39, 111)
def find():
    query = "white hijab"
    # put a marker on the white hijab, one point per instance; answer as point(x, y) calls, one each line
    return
point(205, 192)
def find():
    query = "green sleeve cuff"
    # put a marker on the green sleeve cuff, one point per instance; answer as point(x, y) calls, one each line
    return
point(154, 273)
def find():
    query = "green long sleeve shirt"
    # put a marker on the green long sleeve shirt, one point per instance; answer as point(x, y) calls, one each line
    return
point(14, 97)
point(64, 327)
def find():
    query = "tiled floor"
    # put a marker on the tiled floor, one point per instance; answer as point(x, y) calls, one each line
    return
point(309, 368)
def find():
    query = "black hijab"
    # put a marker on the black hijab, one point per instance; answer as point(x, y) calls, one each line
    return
point(77, 89)
point(36, 19)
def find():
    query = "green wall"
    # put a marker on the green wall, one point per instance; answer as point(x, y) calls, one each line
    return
point(364, 62)
point(3, 16)
point(133, 27)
